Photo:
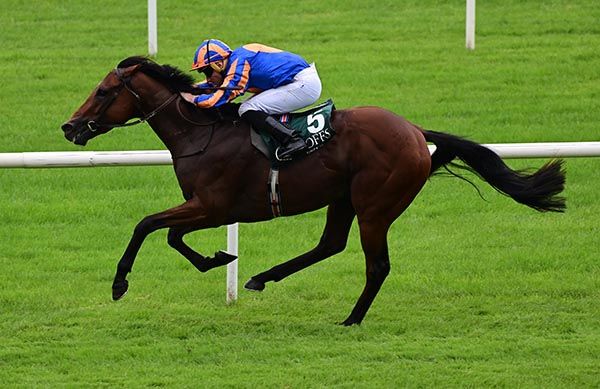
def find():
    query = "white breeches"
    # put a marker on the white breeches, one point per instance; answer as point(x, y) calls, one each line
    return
point(303, 91)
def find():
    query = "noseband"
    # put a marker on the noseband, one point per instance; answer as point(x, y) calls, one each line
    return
point(125, 82)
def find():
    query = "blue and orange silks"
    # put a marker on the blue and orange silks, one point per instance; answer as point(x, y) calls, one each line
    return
point(208, 52)
point(253, 67)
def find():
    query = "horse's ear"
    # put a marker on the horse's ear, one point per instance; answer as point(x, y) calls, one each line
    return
point(130, 70)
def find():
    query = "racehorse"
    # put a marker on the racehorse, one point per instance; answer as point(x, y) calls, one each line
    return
point(373, 168)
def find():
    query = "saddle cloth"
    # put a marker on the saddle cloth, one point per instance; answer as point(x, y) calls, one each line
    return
point(313, 125)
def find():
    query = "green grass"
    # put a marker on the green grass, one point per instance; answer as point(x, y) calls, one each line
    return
point(482, 293)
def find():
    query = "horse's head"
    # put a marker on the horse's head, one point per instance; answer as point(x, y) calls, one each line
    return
point(138, 87)
point(110, 104)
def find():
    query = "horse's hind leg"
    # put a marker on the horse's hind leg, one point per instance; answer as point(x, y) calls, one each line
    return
point(373, 236)
point(333, 241)
point(378, 203)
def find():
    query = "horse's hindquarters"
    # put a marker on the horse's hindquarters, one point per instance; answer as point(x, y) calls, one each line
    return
point(389, 161)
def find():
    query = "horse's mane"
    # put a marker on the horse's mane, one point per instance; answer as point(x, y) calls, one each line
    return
point(174, 78)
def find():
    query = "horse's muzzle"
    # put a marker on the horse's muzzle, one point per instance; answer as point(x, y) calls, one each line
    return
point(76, 132)
point(70, 129)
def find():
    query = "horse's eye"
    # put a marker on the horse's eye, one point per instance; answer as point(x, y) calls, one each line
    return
point(101, 92)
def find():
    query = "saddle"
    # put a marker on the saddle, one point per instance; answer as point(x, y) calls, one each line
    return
point(313, 125)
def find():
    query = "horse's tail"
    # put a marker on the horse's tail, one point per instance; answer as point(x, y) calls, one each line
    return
point(539, 190)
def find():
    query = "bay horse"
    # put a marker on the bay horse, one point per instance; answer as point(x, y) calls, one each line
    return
point(373, 168)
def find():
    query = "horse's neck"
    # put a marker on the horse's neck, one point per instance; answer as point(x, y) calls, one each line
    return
point(182, 128)
point(185, 130)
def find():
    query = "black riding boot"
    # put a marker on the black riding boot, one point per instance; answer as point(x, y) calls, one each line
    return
point(290, 142)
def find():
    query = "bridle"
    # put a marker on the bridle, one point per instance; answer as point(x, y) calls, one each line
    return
point(125, 82)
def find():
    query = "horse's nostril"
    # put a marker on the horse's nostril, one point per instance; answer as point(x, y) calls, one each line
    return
point(67, 127)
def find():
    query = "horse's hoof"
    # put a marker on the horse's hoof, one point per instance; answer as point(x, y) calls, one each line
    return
point(222, 258)
point(254, 285)
point(349, 322)
point(119, 290)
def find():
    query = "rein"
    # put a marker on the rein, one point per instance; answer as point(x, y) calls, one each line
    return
point(193, 122)
point(93, 126)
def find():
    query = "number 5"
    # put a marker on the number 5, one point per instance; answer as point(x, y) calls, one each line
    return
point(318, 126)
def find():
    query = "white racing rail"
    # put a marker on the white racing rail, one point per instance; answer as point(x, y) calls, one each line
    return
point(58, 159)
point(55, 159)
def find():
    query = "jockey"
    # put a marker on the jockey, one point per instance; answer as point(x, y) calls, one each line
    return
point(282, 82)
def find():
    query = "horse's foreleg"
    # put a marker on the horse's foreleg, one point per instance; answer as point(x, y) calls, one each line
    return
point(175, 240)
point(189, 213)
point(333, 241)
